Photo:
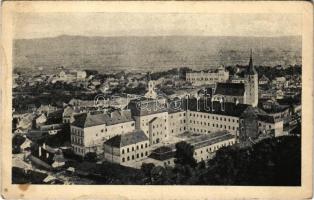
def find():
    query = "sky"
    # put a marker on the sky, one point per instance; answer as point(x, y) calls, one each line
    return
point(38, 25)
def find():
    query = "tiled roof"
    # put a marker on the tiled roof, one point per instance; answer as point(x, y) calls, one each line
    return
point(130, 138)
point(142, 108)
point(230, 89)
point(209, 139)
point(207, 106)
point(251, 69)
point(163, 153)
point(88, 120)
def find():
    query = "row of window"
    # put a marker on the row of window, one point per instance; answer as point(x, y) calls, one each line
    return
point(77, 140)
point(128, 158)
point(180, 115)
point(221, 126)
point(264, 125)
point(217, 118)
point(133, 149)
point(159, 133)
point(180, 129)
point(78, 150)
point(77, 132)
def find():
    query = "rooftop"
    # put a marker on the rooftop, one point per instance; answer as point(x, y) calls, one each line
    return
point(88, 120)
point(230, 89)
point(215, 107)
point(209, 139)
point(133, 137)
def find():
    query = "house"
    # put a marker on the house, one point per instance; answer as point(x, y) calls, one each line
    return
point(127, 148)
point(263, 80)
point(271, 125)
point(40, 120)
point(50, 158)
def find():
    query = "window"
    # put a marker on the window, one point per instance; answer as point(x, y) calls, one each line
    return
point(102, 130)
point(142, 154)
point(127, 150)
point(132, 157)
point(122, 151)
point(146, 153)
point(141, 146)
point(146, 145)
point(128, 158)
point(137, 155)
point(132, 148)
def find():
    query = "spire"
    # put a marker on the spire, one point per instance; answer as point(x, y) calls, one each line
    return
point(251, 69)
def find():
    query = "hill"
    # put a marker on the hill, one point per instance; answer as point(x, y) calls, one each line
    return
point(153, 53)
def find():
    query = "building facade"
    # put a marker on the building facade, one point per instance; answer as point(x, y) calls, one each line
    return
point(127, 148)
point(207, 78)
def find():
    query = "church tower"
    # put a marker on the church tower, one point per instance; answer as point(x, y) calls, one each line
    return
point(251, 85)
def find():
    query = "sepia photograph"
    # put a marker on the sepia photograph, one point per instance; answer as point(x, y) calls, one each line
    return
point(158, 96)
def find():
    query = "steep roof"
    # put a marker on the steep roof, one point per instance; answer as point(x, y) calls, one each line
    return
point(251, 69)
point(133, 137)
point(215, 107)
point(88, 120)
point(230, 89)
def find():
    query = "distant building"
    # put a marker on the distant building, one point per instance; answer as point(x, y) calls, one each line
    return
point(151, 93)
point(243, 90)
point(72, 75)
point(263, 80)
point(127, 148)
point(207, 78)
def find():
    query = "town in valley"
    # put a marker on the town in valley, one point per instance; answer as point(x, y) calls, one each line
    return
point(179, 125)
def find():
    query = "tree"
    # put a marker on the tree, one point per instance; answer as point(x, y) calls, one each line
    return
point(91, 157)
point(184, 154)
point(147, 169)
point(158, 175)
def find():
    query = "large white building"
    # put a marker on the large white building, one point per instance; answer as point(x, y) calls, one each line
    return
point(208, 77)
point(88, 131)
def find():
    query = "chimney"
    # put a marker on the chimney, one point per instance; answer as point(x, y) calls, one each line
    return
point(236, 102)
point(44, 145)
point(39, 152)
point(222, 104)
point(212, 100)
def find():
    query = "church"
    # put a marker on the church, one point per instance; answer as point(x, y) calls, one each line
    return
point(244, 93)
